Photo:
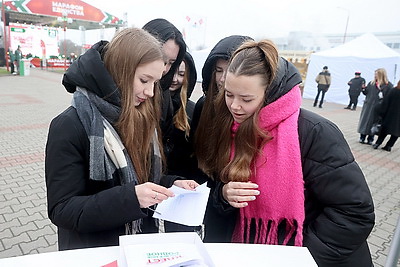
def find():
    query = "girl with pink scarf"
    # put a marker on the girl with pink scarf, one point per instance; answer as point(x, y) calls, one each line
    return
point(283, 175)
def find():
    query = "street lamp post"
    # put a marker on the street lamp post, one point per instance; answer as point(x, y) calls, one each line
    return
point(65, 37)
point(6, 50)
point(347, 22)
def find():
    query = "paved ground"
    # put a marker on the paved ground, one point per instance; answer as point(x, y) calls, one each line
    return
point(27, 105)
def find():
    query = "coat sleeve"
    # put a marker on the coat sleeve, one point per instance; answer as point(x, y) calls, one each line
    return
point(75, 202)
point(337, 198)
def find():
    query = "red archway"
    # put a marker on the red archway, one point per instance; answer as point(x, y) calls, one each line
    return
point(52, 13)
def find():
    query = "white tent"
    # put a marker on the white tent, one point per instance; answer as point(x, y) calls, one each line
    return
point(365, 54)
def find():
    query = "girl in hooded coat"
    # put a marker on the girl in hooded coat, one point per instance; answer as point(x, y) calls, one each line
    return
point(174, 49)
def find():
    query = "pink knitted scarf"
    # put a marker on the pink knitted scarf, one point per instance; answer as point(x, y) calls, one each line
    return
point(278, 173)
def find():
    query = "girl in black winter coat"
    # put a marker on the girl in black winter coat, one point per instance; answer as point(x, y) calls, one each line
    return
point(174, 49)
point(213, 77)
point(390, 113)
point(103, 155)
point(374, 93)
point(180, 151)
point(180, 160)
point(283, 175)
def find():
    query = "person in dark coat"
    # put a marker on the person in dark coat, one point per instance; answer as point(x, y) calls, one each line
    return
point(11, 59)
point(103, 163)
point(374, 94)
point(284, 175)
point(356, 85)
point(181, 89)
point(213, 77)
point(174, 48)
point(17, 58)
point(180, 159)
point(390, 113)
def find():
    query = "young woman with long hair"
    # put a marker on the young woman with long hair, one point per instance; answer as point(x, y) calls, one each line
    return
point(103, 162)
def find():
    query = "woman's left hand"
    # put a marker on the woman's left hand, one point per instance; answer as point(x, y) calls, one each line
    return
point(186, 184)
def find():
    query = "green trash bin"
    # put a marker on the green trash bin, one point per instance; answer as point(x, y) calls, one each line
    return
point(24, 67)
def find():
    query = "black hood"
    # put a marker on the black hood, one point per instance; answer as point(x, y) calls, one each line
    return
point(192, 74)
point(286, 78)
point(222, 50)
point(164, 30)
point(89, 72)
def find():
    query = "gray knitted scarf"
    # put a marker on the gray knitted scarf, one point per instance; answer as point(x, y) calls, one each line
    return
point(107, 152)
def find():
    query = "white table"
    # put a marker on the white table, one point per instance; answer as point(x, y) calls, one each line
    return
point(222, 254)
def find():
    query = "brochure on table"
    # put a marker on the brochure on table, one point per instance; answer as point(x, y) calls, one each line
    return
point(161, 250)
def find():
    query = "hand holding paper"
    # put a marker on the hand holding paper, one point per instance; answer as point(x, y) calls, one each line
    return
point(187, 207)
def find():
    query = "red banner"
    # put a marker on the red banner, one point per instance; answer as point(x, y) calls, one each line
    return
point(74, 9)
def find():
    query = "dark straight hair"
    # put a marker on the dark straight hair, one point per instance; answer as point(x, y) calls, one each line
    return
point(164, 30)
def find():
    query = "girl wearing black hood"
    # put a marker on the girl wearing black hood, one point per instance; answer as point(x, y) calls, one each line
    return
point(180, 159)
point(103, 155)
point(213, 73)
point(283, 175)
point(174, 49)
point(181, 89)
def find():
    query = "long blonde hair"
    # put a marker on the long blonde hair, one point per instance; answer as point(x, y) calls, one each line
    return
point(250, 59)
point(381, 76)
point(128, 49)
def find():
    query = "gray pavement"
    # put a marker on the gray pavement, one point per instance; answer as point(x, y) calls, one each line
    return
point(27, 105)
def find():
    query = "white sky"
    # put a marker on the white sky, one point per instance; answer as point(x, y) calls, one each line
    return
point(260, 18)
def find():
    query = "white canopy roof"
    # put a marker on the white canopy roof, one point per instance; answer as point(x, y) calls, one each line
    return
point(365, 46)
point(365, 54)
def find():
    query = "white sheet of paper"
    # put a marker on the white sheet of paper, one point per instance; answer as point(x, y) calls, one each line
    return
point(186, 207)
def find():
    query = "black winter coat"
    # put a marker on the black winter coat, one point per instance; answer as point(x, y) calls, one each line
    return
point(177, 149)
point(370, 110)
point(339, 211)
point(356, 85)
point(390, 112)
point(87, 213)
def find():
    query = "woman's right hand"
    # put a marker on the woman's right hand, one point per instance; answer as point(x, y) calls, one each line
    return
point(239, 193)
point(149, 194)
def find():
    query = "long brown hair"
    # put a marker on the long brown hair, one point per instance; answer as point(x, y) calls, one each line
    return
point(181, 120)
point(128, 49)
point(205, 127)
point(250, 59)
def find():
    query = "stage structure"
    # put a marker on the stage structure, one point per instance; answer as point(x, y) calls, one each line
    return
point(38, 24)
